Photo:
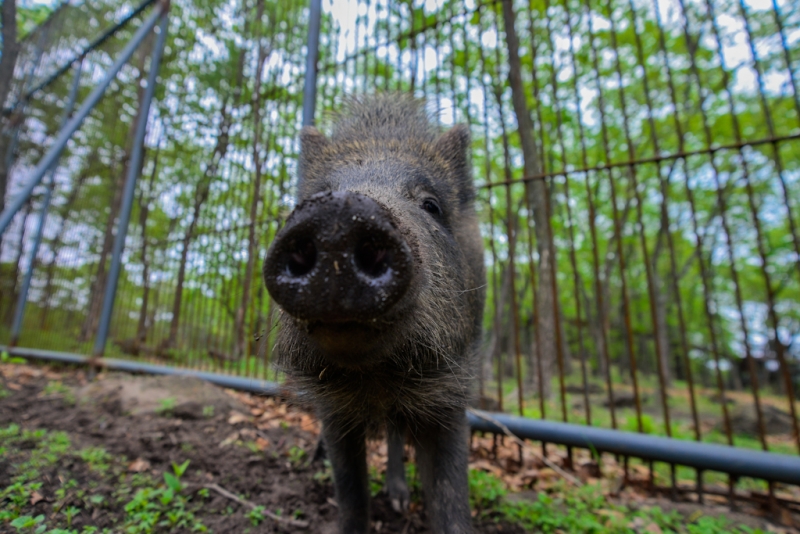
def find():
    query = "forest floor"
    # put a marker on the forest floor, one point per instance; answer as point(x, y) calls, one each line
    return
point(155, 454)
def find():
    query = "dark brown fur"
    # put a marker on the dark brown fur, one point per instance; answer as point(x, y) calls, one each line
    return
point(385, 147)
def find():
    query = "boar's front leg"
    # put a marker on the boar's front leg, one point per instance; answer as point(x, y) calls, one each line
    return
point(442, 451)
point(348, 456)
point(396, 485)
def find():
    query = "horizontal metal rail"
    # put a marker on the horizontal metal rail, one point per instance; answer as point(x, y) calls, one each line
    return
point(250, 385)
point(682, 154)
point(702, 456)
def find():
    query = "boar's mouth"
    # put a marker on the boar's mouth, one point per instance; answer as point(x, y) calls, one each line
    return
point(346, 343)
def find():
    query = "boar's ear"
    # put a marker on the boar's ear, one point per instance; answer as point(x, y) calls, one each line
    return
point(453, 147)
point(312, 146)
point(312, 141)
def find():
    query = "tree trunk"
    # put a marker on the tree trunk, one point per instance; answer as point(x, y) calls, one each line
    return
point(99, 286)
point(240, 347)
point(536, 191)
point(201, 194)
point(144, 212)
point(663, 326)
point(92, 320)
point(58, 241)
point(200, 197)
point(8, 62)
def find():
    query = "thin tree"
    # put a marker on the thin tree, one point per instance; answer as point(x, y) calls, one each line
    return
point(536, 191)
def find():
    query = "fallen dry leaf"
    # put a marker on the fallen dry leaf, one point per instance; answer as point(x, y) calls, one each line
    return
point(138, 465)
point(786, 517)
point(30, 372)
point(640, 524)
point(237, 417)
point(230, 439)
point(36, 497)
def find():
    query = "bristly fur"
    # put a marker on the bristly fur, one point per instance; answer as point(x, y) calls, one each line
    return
point(387, 117)
point(387, 147)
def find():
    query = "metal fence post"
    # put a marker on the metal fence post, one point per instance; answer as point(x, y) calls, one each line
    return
point(19, 313)
point(310, 87)
point(61, 141)
point(128, 192)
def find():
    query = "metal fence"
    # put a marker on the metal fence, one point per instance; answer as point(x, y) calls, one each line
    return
point(638, 165)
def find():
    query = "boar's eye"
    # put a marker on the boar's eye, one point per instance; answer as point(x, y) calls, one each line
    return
point(431, 206)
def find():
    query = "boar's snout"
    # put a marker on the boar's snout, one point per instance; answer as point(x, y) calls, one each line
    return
point(339, 259)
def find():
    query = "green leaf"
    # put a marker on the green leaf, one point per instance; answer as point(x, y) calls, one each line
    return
point(180, 469)
point(173, 482)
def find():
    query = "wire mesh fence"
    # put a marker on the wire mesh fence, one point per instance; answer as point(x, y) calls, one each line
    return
point(638, 170)
point(636, 163)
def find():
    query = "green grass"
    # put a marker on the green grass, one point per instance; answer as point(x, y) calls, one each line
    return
point(149, 505)
point(57, 389)
point(566, 510)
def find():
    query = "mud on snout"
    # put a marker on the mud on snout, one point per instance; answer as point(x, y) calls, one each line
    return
point(339, 265)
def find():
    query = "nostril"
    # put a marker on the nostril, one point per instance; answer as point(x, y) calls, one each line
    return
point(302, 256)
point(372, 258)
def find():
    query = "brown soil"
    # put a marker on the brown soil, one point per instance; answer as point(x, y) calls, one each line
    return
point(259, 449)
point(153, 422)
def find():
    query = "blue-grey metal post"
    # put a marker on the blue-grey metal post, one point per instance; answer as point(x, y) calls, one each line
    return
point(66, 133)
point(19, 313)
point(310, 87)
point(128, 193)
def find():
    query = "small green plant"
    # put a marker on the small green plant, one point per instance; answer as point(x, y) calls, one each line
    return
point(165, 406)
point(376, 481)
point(256, 515)
point(252, 446)
point(173, 482)
point(26, 523)
point(70, 513)
point(208, 411)
point(162, 507)
point(57, 388)
point(5, 357)
point(297, 455)
point(485, 489)
point(325, 474)
point(413, 482)
point(97, 458)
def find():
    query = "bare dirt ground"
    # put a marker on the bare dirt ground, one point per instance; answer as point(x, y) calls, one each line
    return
point(250, 465)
